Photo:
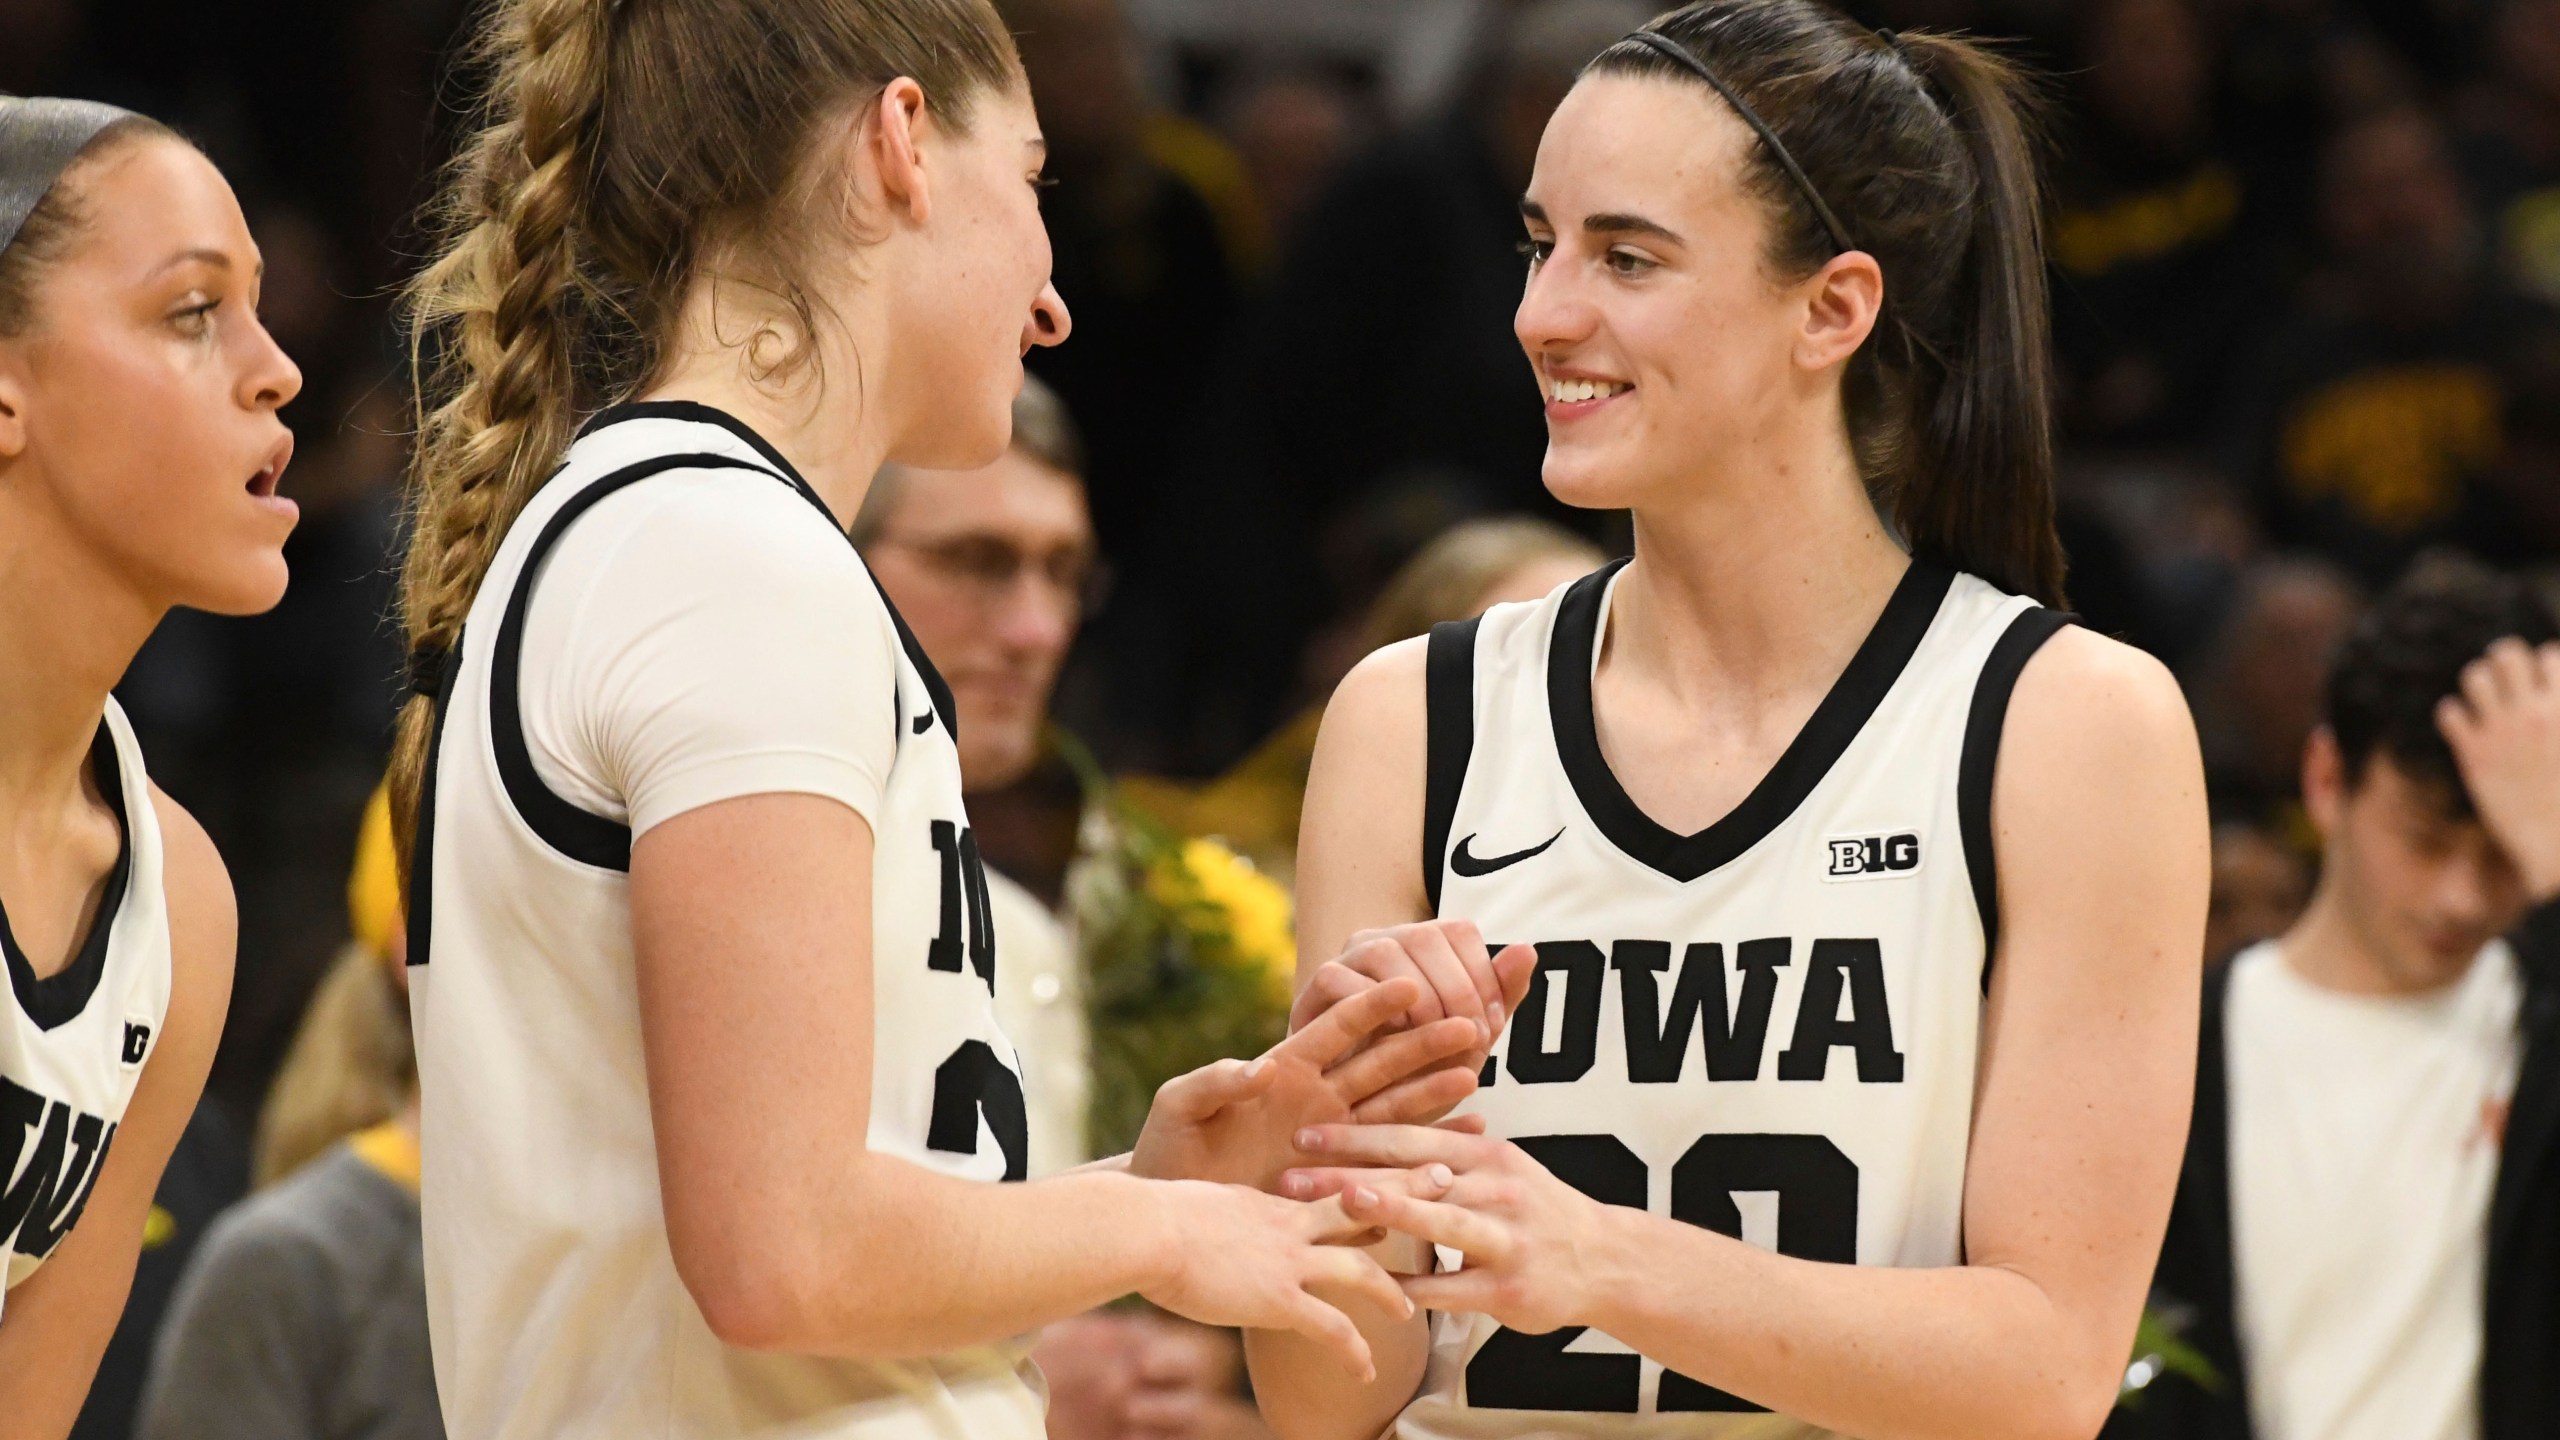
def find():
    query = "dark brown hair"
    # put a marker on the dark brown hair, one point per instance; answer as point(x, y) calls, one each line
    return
point(2408, 653)
point(52, 227)
point(626, 145)
point(1925, 148)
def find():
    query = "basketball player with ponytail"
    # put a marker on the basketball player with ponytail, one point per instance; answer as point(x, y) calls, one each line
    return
point(701, 965)
point(1850, 1091)
point(139, 455)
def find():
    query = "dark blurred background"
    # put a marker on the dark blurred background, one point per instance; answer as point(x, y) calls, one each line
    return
point(2306, 258)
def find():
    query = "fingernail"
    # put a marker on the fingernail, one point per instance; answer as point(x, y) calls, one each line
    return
point(1363, 1196)
point(1494, 1015)
point(1441, 1177)
point(1254, 1070)
point(1297, 1185)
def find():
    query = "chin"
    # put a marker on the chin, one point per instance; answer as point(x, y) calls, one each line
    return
point(254, 586)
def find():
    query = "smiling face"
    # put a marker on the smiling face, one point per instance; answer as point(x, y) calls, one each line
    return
point(138, 406)
point(1658, 332)
point(973, 296)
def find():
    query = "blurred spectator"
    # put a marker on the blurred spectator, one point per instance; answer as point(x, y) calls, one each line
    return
point(2158, 271)
point(1151, 217)
point(2378, 1092)
point(304, 1316)
point(2257, 690)
point(2512, 143)
point(1463, 573)
point(2378, 408)
point(2259, 886)
point(1291, 125)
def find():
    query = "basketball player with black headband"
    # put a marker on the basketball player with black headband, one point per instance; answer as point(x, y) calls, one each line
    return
point(139, 455)
point(1867, 893)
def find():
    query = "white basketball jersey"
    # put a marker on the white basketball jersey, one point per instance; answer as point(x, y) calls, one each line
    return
point(554, 1305)
point(72, 1045)
point(1768, 1028)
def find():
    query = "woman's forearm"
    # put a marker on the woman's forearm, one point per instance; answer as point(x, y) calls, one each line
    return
point(901, 1262)
point(1961, 1352)
point(1304, 1394)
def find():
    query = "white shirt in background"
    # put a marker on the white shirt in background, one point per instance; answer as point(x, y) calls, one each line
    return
point(1040, 1004)
point(2364, 1148)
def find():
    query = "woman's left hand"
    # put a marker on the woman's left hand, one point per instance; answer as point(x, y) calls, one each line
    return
point(1233, 1122)
point(1531, 1242)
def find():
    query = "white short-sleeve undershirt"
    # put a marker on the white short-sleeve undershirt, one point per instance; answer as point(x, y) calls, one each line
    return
point(703, 636)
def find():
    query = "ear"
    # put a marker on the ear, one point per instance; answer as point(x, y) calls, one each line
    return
point(13, 411)
point(1842, 301)
point(902, 123)
point(2324, 782)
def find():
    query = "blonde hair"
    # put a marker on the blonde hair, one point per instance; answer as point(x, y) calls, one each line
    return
point(624, 144)
point(1449, 579)
point(351, 1066)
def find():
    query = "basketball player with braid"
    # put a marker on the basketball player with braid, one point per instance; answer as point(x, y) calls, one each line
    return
point(139, 455)
point(1849, 1093)
point(701, 959)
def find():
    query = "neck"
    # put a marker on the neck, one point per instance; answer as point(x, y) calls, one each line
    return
point(69, 627)
point(2328, 948)
point(830, 423)
point(1767, 576)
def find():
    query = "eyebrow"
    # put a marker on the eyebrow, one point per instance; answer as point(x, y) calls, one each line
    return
point(1629, 225)
point(1606, 224)
point(203, 256)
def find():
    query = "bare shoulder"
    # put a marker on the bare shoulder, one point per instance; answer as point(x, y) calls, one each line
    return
point(2091, 704)
point(1382, 696)
point(204, 919)
point(1360, 834)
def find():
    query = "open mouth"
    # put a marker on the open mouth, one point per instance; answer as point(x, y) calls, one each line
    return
point(263, 483)
point(1585, 392)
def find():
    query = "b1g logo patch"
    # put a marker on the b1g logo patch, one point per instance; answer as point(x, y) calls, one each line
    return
point(1872, 857)
point(137, 1043)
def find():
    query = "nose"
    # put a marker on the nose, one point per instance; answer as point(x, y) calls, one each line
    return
point(1050, 324)
point(270, 380)
point(1551, 315)
point(1037, 619)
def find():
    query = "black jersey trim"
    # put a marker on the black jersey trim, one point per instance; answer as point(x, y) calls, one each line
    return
point(702, 414)
point(58, 999)
point(587, 838)
point(420, 900)
point(1449, 697)
point(1844, 712)
point(1980, 761)
point(937, 690)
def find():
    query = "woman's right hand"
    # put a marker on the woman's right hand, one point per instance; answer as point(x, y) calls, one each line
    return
point(1252, 1261)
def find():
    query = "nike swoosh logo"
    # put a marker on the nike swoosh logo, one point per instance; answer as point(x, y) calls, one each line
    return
point(1472, 868)
point(924, 722)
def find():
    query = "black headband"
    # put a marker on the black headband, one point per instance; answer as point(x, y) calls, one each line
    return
point(39, 138)
point(1681, 55)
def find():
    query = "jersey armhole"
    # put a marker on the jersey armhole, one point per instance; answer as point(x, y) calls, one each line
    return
point(1449, 691)
point(1980, 762)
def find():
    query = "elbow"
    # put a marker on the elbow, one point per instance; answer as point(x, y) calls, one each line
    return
point(751, 1303)
point(2075, 1407)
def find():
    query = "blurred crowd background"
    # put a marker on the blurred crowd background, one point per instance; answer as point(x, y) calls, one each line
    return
point(2306, 264)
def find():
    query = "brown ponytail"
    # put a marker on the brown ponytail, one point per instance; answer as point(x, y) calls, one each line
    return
point(624, 144)
point(1924, 146)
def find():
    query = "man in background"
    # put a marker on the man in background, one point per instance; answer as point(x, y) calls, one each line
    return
point(2366, 1237)
point(991, 569)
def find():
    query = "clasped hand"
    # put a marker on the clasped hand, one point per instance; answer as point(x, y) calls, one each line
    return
point(1392, 1032)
